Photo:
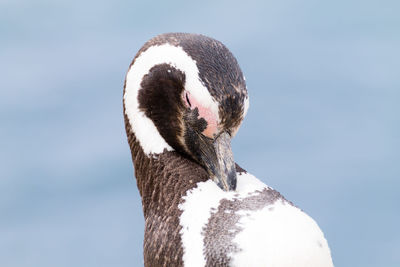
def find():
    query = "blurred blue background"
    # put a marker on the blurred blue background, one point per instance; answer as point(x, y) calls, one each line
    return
point(323, 126)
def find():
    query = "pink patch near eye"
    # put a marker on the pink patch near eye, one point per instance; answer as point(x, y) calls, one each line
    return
point(204, 112)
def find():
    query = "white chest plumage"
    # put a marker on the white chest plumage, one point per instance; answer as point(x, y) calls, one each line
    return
point(276, 234)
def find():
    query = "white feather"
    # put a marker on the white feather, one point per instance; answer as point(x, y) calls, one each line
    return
point(280, 236)
point(277, 235)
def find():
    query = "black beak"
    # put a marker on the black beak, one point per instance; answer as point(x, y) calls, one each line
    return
point(219, 161)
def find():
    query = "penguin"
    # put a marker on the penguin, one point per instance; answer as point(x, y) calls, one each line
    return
point(184, 100)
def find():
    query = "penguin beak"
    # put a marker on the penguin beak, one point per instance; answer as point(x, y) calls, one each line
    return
point(219, 163)
point(225, 177)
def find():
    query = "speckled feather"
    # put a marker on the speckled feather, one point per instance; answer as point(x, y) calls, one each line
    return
point(222, 227)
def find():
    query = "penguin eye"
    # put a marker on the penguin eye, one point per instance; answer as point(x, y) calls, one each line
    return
point(187, 99)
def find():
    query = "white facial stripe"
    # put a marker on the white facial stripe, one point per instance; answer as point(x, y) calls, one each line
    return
point(145, 131)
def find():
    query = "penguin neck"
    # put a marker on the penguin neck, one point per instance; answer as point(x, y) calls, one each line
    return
point(162, 179)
